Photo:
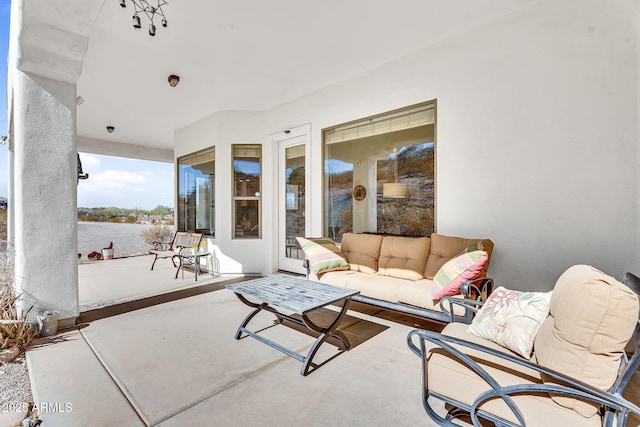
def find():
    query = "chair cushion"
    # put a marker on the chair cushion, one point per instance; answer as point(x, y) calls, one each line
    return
point(446, 375)
point(512, 319)
point(323, 254)
point(362, 251)
point(453, 273)
point(591, 318)
point(403, 257)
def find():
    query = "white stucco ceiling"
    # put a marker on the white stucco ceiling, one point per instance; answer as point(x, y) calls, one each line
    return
point(247, 55)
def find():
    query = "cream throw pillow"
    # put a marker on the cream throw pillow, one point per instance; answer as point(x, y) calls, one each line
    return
point(512, 319)
point(323, 254)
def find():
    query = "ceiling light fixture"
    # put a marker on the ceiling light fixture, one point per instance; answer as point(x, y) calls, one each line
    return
point(151, 8)
point(173, 80)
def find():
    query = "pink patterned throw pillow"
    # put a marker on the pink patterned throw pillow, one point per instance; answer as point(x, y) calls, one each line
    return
point(449, 279)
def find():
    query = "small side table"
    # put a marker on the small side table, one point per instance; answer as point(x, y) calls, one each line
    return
point(193, 258)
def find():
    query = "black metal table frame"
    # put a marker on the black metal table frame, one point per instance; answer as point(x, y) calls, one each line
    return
point(325, 332)
point(196, 262)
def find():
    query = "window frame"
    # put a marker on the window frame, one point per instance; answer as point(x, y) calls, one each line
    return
point(331, 135)
point(182, 219)
point(238, 229)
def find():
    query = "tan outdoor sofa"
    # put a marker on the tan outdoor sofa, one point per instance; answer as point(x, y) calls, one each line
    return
point(397, 273)
point(582, 348)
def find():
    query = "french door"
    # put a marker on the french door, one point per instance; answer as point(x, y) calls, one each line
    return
point(293, 147)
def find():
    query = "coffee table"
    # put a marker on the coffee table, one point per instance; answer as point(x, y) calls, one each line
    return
point(300, 296)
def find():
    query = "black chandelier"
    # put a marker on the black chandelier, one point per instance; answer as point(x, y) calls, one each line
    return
point(151, 8)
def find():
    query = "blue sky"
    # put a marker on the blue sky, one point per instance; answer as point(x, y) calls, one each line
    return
point(5, 8)
point(118, 182)
point(125, 183)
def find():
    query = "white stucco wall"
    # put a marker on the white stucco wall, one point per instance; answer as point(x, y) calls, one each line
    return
point(222, 129)
point(536, 135)
point(45, 174)
point(537, 139)
point(44, 62)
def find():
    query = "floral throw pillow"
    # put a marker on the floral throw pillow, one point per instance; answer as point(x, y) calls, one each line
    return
point(323, 254)
point(449, 279)
point(512, 319)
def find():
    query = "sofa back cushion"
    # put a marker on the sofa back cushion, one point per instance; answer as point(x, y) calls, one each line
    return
point(362, 251)
point(591, 318)
point(444, 248)
point(403, 257)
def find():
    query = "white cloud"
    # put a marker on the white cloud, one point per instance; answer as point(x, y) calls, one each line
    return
point(123, 184)
point(115, 179)
point(89, 161)
point(111, 182)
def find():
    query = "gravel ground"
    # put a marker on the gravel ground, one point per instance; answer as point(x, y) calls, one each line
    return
point(15, 389)
point(126, 238)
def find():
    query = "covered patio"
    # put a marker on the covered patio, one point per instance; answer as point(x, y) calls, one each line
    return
point(165, 355)
point(536, 147)
point(536, 136)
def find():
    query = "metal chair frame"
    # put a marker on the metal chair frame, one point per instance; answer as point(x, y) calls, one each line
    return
point(614, 408)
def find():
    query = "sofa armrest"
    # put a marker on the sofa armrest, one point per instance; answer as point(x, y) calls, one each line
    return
point(475, 292)
point(307, 266)
point(571, 387)
point(477, 289)
point(470, 306)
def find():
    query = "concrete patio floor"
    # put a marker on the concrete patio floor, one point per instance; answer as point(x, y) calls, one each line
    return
point(110, 282)
point(137, 358)
point(149, 350)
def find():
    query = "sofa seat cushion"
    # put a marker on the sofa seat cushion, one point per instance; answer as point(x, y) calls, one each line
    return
point(362, 251)
point(369, 285)
point(419, 294)
point(444, 248)
point(335, 278)
point(403, 257)
point(592, 316)
point(449, 377)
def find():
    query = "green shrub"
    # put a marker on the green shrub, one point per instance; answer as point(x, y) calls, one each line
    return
point(157, 233)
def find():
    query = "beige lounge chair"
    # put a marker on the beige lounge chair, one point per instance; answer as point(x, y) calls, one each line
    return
point(181, 240)
point(575, 376)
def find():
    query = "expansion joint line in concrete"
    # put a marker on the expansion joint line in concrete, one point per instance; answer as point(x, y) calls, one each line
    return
point(131, 401)
point(121, 387)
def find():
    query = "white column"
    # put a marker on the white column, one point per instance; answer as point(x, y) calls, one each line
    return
point(45, 194)
point(10, 200)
